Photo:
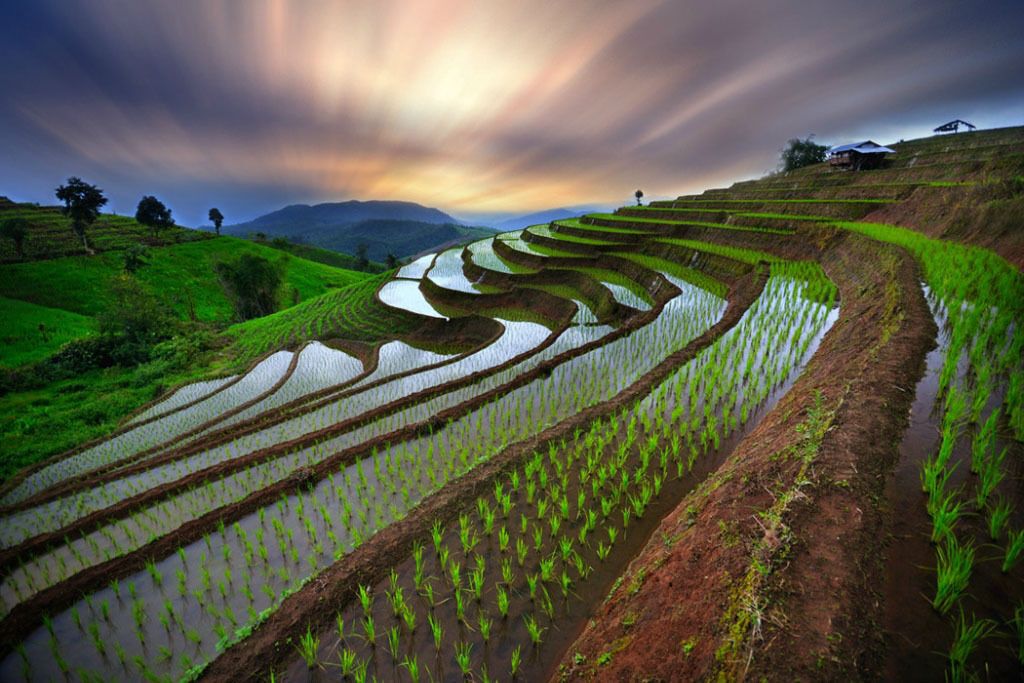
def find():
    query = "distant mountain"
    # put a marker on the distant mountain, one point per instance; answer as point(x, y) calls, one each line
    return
point(398, 237)
point(546, 216)
point(399, 228)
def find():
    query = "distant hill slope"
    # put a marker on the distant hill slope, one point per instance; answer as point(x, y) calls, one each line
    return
point(65, 293)
point(50, 234)
point(321, 255)
point(545, 216)
point(398, 237)
point(385, 227)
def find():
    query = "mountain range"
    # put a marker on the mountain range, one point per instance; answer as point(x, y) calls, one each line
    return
point(385, 227)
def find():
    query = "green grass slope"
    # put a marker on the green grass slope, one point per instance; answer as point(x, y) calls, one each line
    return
point(50, 234)
point(325, 256)
point(181, 274)
point(32, 332)
point(350, 313)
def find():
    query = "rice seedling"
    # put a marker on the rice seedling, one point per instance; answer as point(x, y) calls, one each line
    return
point(309, 647)
point(954, 563)
point(515, 662)
point(534, 629)
point(1014, 550)
point(966, 636)
point(998, 516)
point(990, 475)
point(463, 657)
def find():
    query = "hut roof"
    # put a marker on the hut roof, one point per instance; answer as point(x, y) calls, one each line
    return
point(863, 147)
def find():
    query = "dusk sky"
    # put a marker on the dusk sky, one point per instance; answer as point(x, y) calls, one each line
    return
point(474, 107)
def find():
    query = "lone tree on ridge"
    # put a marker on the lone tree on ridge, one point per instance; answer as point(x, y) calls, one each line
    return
point(639, 195)
point(217, 218)
point(82, 203)
point(152, 212)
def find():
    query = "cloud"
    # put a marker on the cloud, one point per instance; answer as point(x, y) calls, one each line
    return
point(472, 105)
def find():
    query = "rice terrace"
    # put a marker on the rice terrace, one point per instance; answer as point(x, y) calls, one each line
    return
point(768, 431)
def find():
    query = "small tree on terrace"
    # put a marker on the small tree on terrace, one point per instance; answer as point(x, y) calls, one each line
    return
point(391, 261)
point(15, 229)
point(217, 218)
point(152, 212)
point(799, 153)
point(362, 262)
point(639, 194)
point(134, 257)
point(252, 283)
point(82, 203)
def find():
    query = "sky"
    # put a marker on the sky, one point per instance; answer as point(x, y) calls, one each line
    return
point(472, 106)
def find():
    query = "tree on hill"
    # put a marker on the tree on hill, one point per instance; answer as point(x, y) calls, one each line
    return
point(391, 261)
point(82, 203)
point(151, 212)
point(134, 257)
point(217, 218)
point(252, 283)
point(361, 260)
point(15, 229)
point(799, 153)
point(639, 195)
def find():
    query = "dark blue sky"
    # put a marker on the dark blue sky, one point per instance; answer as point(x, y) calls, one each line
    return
point(474, 107)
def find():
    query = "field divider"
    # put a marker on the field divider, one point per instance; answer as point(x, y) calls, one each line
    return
point(368, 564)
point(11, 557)
point(113, 469)
point(28, 614)
point(294, 408)
point(28, 471)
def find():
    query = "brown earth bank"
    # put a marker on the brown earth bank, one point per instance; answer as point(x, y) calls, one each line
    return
point(28, 614)
point(268, 646)
point(763, 572)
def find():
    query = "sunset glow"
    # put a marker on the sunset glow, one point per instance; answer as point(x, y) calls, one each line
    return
point(470, 106)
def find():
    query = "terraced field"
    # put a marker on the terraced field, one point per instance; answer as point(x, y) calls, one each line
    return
point(671, 442)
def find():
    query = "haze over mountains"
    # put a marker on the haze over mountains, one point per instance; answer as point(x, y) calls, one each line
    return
point(385, 227)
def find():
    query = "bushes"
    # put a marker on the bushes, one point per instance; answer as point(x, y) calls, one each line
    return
point(252, 283)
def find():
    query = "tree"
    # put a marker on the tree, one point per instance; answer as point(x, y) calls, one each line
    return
point(152, 212)
point(800, 153)
point(362, 262)
point(252, 283)
point(217, 218)
point(134, 257)
point(82, 203)
point(638, 194)
point(15, 229)
point(391, 260)
point(134, 316)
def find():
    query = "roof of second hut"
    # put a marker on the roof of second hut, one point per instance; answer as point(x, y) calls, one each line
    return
point(864, 147)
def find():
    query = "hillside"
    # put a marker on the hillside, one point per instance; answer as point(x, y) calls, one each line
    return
point(401, 238)
point(385, 227)
point(324, 256)
point(64, 293)
point(757, 433)
point(50, 234)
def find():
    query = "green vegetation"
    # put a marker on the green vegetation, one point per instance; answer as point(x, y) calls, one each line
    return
point(800, 153)
point(183, 275)
point(351, 312)
point(32, 332)
point(49, 233)
point(324, 256)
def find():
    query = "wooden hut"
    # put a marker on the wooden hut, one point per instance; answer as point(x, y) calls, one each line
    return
point(858, 155)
